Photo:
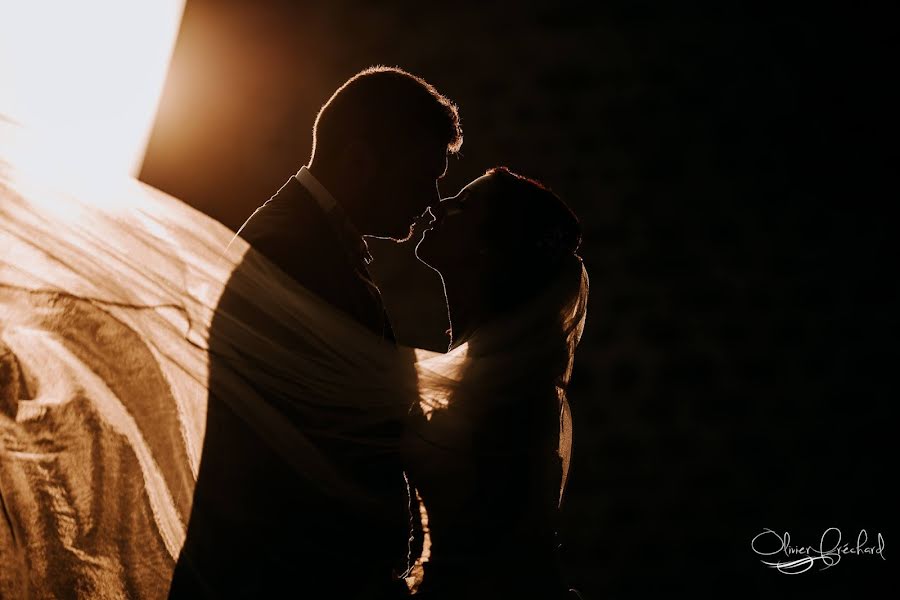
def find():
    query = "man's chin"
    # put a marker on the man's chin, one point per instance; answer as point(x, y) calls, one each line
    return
point(398, 237)
point(406, 236)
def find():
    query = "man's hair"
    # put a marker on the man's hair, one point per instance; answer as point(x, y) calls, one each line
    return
point(390, 110)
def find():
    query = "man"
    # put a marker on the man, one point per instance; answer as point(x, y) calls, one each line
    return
point(379, 146)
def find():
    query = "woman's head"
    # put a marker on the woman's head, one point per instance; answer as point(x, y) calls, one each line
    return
point(502, 239)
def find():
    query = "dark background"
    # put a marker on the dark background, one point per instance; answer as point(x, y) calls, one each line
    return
point(740, 349)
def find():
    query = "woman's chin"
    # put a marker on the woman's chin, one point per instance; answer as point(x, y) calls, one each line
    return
point(425, 247)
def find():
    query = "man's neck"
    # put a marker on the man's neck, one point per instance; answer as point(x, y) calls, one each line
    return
point(337, 188)
point(335, 212)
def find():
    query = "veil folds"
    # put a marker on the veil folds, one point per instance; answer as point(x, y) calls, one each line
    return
point(528, 352)
point(108, 290)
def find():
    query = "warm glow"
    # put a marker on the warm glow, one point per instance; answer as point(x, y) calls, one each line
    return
point(448, 368)
point(85, 77)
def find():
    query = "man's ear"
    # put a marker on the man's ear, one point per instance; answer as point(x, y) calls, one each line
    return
point(360, 160)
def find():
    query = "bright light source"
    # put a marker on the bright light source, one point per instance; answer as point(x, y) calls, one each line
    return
point(85, 77)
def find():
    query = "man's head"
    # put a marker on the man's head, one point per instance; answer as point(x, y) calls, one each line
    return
point(380, 144)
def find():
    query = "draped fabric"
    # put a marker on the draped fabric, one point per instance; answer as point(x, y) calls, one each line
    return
point(528, 351)
point(107, 291)
point(490, 456)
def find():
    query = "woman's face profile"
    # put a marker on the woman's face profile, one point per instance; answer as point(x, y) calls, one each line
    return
point(457, 237)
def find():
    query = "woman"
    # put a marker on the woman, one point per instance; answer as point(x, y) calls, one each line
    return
point(490, 452)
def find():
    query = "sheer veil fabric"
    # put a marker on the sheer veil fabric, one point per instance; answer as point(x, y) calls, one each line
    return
point(528, 349)
point(107, 291)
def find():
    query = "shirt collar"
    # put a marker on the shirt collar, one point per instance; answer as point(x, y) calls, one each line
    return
point(322, 196)
point(330, 207)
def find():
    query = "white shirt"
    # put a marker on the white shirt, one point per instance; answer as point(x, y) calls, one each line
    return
point(322, 196)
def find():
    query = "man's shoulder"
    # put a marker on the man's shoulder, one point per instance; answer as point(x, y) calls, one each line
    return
point(290, 217)
point(292, 231)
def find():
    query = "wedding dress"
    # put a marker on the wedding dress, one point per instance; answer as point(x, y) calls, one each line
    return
point(490, 452)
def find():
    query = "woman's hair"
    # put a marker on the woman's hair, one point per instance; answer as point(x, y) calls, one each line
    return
point(532, 231)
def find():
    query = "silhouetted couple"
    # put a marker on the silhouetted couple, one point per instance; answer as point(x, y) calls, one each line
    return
point(482, 433)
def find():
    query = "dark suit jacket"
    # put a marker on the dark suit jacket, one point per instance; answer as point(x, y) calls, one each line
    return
point(293, 232)
point(256, 528)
